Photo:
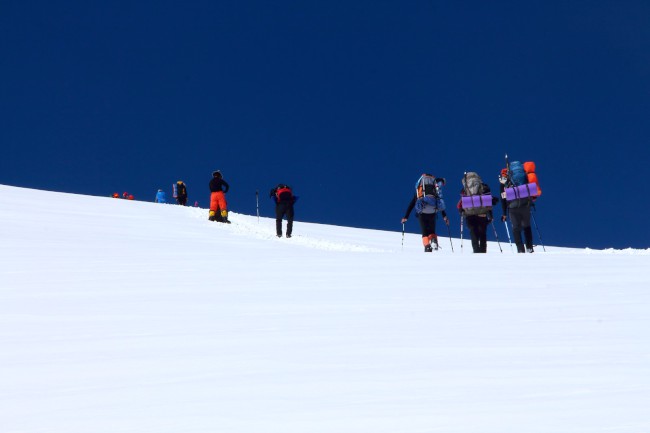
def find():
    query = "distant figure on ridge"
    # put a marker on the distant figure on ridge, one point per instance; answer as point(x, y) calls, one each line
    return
point(181, 193)
point(218, 204)
point(160, 197)
point(284, 199)
point(427, 202)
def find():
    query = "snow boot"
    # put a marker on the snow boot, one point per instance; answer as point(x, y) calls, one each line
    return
point(224, 217)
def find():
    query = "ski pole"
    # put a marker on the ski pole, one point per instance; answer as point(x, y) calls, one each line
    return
point(257, 202)
point(402, 236)
point(449, 231)
point(508, 232)
point(496, 235)
point(462, 217)
point(538, 233)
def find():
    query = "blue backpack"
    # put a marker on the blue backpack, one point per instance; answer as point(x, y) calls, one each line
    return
point(517, 173)
point(428, 189)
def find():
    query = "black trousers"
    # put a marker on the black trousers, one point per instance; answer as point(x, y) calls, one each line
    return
point(281, 209)
point(428, 223)
point(520, 218)
point(478, 231)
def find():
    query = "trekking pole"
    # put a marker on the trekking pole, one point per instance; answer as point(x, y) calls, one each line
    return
point(537, 227)
point(462, 217)
point(402, 236)
point(496, 235)
point(452, 244)
point(508, 232)
point(257, 202)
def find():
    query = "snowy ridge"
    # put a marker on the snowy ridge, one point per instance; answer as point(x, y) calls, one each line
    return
point(126, 316)
point(629, 251)
point(264, 229)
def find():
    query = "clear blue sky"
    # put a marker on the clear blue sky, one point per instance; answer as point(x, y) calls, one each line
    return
point(348, 101)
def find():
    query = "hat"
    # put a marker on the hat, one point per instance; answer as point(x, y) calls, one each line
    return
point(160, 190)
point(504, 172)
point(216, 173)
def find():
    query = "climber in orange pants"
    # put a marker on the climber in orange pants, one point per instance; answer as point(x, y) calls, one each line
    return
point(218, 204)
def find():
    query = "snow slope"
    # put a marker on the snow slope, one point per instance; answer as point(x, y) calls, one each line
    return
point(122, 316)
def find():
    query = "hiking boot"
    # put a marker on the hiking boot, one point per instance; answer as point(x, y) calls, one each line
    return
point(428, 249)
point(279, 235)
point(435, 246)
point(288, 235)
point(530, 250)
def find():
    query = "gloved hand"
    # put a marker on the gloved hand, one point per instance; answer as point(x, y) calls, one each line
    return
point(404, 220)
point(504, 218)
point(446, 220)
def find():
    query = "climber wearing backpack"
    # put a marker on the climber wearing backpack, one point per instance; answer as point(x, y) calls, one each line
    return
point(218, 204)
point(284, 200)
point(181, 193)
point(475, 205)
point(517, 204)
point(427, 202)
point(160, 197)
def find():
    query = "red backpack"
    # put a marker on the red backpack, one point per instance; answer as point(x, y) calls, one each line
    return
point(283, 193)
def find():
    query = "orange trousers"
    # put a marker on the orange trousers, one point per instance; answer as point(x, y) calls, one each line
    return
point(218, 201)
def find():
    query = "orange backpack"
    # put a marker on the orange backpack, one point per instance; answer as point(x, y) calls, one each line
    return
point(529, 168)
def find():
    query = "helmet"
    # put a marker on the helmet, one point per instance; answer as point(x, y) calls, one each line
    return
point(116, 195)
point(160, 190)
point(216, 173)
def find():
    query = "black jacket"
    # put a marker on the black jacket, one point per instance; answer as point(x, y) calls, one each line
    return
point(217, 184)
point(181, 190)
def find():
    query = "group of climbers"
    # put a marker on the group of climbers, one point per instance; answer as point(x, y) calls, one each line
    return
point(282, 195)
point(519, 188)
point(179, 193)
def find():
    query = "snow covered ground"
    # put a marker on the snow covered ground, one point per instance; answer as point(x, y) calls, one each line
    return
point(125, 316)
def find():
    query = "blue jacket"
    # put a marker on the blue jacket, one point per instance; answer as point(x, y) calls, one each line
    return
point(161, 197)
